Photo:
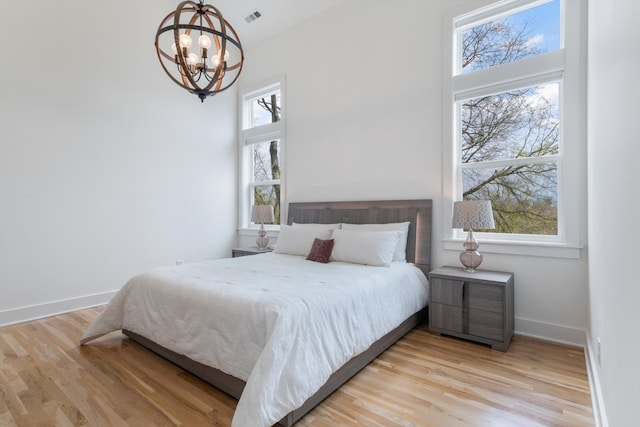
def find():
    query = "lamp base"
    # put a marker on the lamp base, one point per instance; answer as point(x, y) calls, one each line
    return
point(471, 260)
point(263, 240)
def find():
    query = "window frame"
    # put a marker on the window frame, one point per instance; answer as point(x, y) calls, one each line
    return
point(250, 136)
point(565, 66)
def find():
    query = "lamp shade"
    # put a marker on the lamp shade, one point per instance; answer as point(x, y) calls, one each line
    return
point(474, 214)
point(262, 213)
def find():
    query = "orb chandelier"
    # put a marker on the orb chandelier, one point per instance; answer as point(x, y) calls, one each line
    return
point(198, 49)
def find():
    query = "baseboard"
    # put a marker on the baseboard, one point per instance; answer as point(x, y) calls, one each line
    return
point(550, 332)
point(597, 402)
point(39, 311)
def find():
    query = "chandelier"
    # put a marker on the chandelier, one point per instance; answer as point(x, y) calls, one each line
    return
point(211, 64)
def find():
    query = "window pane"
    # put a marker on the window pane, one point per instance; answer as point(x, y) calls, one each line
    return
point(265, 109)
point(268, 195)
point(520, 35)
point(266, 161)
point(523, 197)
point(510, 125)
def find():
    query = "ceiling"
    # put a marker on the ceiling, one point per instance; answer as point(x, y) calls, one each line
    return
point(277, 15)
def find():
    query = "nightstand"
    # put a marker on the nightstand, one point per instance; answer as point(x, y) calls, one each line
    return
point(253, 250)
point(475, 306)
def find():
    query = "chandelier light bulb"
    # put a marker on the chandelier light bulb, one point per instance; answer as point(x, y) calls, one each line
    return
point(192, 59)
point(216, 58)
point(204, 42)
point(174, 49)
point(185, 41)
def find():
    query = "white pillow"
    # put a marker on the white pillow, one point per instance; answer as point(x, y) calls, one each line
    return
point(403, 227)
point(316, 225)
point(298, 240)
point(365, 247)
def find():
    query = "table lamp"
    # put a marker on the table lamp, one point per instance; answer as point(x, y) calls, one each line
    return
point(472, 214)
point(261, 214)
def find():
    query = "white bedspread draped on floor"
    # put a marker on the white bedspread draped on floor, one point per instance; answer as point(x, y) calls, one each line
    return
point(279, 322)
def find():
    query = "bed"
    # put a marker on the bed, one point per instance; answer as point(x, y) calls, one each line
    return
point(265, 383)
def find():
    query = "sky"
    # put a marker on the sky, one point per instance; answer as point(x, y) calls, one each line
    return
point(544, 23)
point(541, 25)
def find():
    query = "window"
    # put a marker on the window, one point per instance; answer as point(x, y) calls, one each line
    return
point(512, 131)
point(262, 117)
point(509, 154)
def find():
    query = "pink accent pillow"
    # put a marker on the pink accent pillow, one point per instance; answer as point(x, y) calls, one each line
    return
point(321, 250)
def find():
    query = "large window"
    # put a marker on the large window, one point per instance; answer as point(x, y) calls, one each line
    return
point(510, 133)
point(509, 153)
point(261, 150)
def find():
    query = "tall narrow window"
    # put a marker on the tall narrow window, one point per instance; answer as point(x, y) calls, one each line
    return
point(509, 132)
point(507, 121)
point(261, 150)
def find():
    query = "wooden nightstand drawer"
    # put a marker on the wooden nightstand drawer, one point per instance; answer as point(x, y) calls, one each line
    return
point(486, 297)
point(446, 317)
point(446, 291)
point(486, 324)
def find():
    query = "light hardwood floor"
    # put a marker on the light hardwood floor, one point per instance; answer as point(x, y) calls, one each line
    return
point(46, 379)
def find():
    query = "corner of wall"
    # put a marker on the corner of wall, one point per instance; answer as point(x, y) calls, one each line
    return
point(597, 401)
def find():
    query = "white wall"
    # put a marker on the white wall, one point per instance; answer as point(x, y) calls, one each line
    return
point(107, 168)
point(364, 122)
point(614, 208)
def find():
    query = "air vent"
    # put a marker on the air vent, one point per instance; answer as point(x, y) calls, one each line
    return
point(252, 16)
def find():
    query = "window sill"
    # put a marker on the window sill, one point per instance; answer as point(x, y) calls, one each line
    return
point(272, 231)
point(541, 249)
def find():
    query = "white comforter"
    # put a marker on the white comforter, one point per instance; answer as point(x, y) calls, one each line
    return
point(279, 322)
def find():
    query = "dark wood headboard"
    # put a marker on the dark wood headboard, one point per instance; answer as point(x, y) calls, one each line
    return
point(417, 212)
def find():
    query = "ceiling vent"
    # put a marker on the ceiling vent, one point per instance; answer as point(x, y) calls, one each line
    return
point(252, 16)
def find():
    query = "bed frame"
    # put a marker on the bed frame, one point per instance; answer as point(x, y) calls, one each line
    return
point(417, 212)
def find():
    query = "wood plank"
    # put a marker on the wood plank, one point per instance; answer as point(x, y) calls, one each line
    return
point(422, 380)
